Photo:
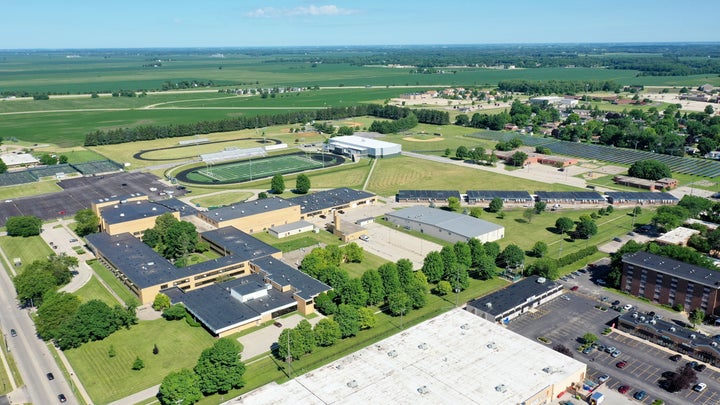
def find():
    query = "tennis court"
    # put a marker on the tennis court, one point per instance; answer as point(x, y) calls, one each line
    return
point(253, 169)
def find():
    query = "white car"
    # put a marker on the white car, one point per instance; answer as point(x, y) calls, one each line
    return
point(700, 387)
point(627, 307)
point(603, 378)
point(364, 238)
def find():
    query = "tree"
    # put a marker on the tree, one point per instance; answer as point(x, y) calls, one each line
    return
point(373, 285)
point(546, 267)
point(649, 169)
point(564, 224)
point(327, 332)
point(3, 167)
point(683, 378)
point(305, 338)
point(477, 251)
point(433, 266)
point(463, 253)
point(325, 303)
point(348, 319)
point(585, 228)
point(94, 320)
point(56, 309)
point(512, 256)
point(518, 158)
point(353, 253)
point(486, 268)
point(161, 302)
point(590, 338)
point(564, 350)
point(539, 249)
point(528, 214)
point(366, 318)
point(86, 222)
point(302, 184)
point(138, 364)
point(47, 159)
point(669, 217)
point(539, 207)
point(695, 205)
point(495, 205)
point(492, 249)
point(391, 280)
point(443, 288)
point(62, 159)
point(453, 204)
point(462, 152)
point(219, 368)
point(277, 184)
point(180, 387)
point(32, 283)
point(709, 110)
point(399, 303)
point(23, 226)
point(353, 293)
point(174, 313)
point(697, 316)
point(475, 212)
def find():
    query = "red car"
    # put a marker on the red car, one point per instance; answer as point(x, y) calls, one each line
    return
point(621, 364)
point(575, 288)
point(624, 389)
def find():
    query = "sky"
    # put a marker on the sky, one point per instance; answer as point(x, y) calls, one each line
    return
point(78, 24)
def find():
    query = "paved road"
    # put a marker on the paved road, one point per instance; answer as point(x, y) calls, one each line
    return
point(31, 355)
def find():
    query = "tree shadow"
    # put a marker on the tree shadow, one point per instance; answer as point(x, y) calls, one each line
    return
point(521, 221)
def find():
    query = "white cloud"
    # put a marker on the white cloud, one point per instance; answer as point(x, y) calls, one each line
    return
point(312, 10)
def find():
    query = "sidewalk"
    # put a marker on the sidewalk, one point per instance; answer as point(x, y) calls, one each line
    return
point(75, 384)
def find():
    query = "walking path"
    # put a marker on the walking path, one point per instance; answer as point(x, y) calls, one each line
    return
point(367, 179)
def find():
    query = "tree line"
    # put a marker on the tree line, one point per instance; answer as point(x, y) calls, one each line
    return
point(558, 86)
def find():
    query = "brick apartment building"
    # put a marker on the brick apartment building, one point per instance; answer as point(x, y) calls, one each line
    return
point(666, 281)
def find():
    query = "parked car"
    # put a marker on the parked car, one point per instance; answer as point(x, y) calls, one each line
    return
point(640, 395)
point(692, 364)
point(565, 297)
point(601, 347)
point(601, 282)
point(700, 387)
point(668, 374)
point(610, 349)
point(627, 307)
point(624, 389)
point(675, 357)
point(575, 288)
point(13, 333)
point(603, 378)
point(616, 353)
point(621, 364)
point(364, 238)
point(587, 350)
point(700, 367)
point(50, 376)
point(61, 398)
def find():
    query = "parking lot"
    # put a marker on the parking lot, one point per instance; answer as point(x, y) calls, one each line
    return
point(565, 321)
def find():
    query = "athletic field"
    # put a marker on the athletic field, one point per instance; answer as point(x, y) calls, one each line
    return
point(253, 169)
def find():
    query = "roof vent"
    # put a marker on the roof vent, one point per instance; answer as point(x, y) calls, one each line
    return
point(465, 326)
point(423, 346)
point(713, 344)
point(154, 208)
point(423, 390)
point(491, 345)
point(488, 305)
point(392, 353)
point(352, 384)
point(541, 280)
point(500, 388)
point(122, 214)
point(672, 329)
point(693, 336)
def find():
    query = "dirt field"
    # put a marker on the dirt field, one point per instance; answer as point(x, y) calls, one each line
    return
point(411, 139)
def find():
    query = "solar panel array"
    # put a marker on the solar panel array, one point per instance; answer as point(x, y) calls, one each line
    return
point(677, 164)
point(506, 195)
point(640, 196)
point(569, 195)
point(426, 195)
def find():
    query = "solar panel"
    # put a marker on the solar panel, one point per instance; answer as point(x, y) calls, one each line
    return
point(569, 195)
point(427, 195)
point(506, 195)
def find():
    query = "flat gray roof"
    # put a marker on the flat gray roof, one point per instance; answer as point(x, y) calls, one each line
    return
point(460, 224)
point(454, 358)
point(666, 265)
point(238, 243)
point(291, 226)
point(360, 142)
point(248, 208)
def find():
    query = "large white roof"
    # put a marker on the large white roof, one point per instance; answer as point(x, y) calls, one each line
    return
point(465, 225)
point(362, 142)
point(15, 159)
point(454, 358)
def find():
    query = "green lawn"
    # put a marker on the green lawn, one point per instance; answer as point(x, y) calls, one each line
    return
point(299, 241)
point(27, 249)
point(370, 261)
point(391, 175)
point(111, 281)
point(94, 290)
point(226, 198)
point(107, 379)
